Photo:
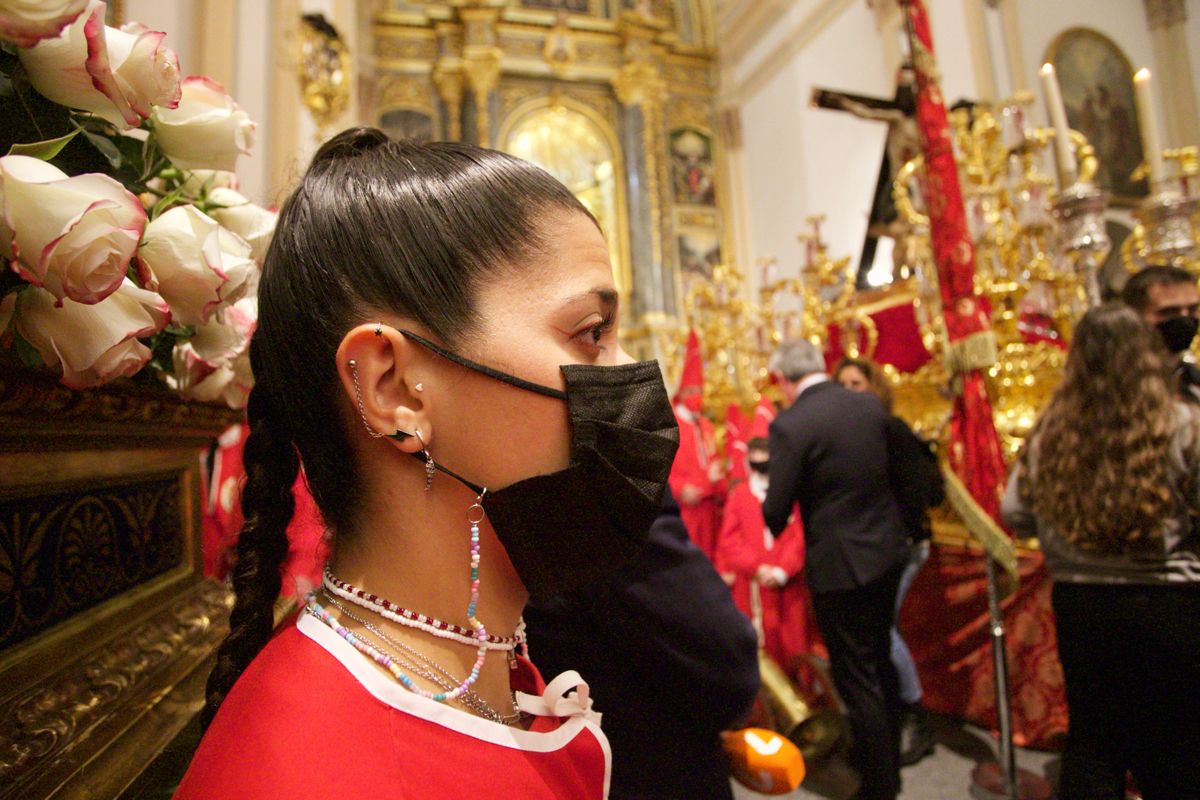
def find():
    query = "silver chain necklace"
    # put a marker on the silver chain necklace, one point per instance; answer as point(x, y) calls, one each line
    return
point(445, 680)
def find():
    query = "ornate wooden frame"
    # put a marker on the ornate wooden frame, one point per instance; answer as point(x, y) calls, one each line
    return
point(87, 703)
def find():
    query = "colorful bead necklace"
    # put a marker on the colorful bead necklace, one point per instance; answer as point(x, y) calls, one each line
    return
point(474, 516)
point(439, 674)
point(411, 619)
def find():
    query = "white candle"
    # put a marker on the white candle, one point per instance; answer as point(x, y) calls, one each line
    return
point(1063, 147)
point(1151, 142)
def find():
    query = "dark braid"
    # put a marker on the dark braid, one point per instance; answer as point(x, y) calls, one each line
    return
point(271, 466)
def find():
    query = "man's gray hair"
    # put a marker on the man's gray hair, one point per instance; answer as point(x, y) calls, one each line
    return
point(796, 359)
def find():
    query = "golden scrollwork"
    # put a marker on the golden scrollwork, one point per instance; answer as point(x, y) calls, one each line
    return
point(325, 70)
point(57, 714)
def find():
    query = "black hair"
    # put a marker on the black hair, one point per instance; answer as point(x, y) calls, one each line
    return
point(1136, 293)
point(757, 443)
point(375, 225)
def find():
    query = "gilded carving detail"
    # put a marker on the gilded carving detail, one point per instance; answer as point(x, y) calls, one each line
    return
point(43, 723)
point(64, 552)
point(397, 47)
point(405, 91)
point(686, 112)
point(33, 403)
point(640, 83)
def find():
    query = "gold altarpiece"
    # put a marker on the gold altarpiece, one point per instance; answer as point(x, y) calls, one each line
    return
point(616, 98)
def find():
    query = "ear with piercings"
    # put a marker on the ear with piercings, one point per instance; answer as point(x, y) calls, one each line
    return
point(399, 435)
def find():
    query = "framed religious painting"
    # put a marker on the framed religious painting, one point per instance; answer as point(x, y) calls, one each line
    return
point(1096, 80)
point(692, 173)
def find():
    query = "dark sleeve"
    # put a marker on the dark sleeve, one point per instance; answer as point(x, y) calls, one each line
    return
point(913, 474)
point(668, 624)
point(787, 466)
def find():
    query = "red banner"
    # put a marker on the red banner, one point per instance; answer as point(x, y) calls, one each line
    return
point(975, 453)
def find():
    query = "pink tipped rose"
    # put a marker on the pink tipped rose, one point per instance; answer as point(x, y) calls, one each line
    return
point(73, 236)
point(120, 75)
point(207, 130)
point(195, 264)
point(27, 22)
point(93, 344)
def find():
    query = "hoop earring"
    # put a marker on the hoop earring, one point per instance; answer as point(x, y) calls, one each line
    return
point(399, 435)
point(430, 467)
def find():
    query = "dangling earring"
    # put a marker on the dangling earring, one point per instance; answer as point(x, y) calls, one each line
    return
point(399, 436)
point(430, 467)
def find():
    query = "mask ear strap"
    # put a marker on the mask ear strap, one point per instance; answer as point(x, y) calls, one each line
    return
point(511, 380)
point(478, 490)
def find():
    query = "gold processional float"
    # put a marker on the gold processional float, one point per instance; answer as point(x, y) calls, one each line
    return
point(1039, 253)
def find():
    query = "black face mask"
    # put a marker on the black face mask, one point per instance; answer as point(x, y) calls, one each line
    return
point(1178, 332)
point(569, 528)
point(761, 467)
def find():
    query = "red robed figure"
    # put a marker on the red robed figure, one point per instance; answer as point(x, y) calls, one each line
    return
point(697, 479)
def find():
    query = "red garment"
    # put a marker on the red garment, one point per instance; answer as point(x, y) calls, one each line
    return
point(736, 436)
point(744, 545)
point(697, 449)
point(221, 499)
point(312, 717)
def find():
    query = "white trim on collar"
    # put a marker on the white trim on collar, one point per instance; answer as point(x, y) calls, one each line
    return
point(809, 381)
point(390, 693)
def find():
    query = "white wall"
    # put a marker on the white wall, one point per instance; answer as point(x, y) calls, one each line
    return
point(800, 160)
point(1123, 21)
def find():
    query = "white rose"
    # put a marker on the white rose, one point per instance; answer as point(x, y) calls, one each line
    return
point(26, 22)
point(194, 263)
point(207, 130)
point(91, 343)
point(118, 74)
point(253, 223)
point(214, 364)
point(73, 236)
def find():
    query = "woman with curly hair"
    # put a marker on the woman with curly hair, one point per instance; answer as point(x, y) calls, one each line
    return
point(1108, 483)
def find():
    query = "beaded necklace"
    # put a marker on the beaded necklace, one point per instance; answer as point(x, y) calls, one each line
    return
point(411, 619)
point(440, 675)
point(387, 662)
point(474, 517)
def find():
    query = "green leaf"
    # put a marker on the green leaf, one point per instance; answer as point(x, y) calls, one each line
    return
point(26, 352)
point(105, 146)
point(170, 199)
point(45, 150)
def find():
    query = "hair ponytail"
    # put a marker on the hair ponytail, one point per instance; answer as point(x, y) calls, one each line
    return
point(271, 465)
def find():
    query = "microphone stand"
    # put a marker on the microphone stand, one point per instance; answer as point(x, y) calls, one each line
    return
point(1000, 779)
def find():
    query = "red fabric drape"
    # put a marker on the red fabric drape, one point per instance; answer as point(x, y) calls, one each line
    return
point(945, 624)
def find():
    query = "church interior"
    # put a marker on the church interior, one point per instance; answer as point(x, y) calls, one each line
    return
point(940, 188)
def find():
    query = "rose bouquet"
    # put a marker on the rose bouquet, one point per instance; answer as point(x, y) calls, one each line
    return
point(129, 251)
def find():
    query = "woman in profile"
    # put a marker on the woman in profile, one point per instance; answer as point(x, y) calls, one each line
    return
point(437, 353)
point(1108, 483)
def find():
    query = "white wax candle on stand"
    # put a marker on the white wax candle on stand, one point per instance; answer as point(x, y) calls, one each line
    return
point(1063, 147)
point(1151, 141)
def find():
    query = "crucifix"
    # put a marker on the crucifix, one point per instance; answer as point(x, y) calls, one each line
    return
point(902, 145)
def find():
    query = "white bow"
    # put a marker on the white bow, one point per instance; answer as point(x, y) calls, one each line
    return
point(565, 696)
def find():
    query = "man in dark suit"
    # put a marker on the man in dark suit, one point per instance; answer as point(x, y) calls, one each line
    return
point(829, 453)
point(670, 660)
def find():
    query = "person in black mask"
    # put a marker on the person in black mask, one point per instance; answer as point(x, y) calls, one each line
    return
point(437, 354)
point(669, 658)
point(1166, 297)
